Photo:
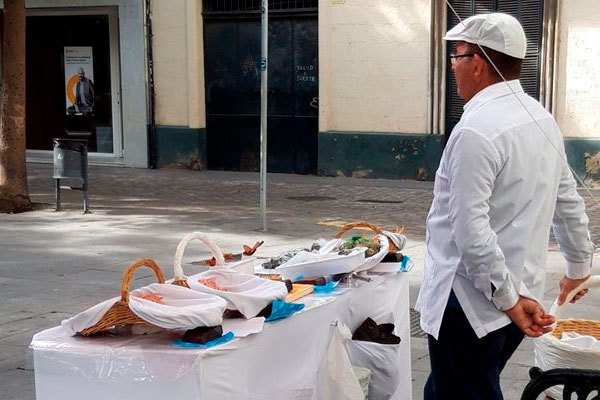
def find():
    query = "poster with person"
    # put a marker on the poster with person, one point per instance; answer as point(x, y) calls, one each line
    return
point(79, 78)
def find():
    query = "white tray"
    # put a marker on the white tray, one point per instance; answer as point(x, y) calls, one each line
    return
point(387, 267)
point(248, 294)
point(331, 265)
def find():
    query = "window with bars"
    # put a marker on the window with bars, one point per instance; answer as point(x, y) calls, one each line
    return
point(254, 5)
point(531, 15)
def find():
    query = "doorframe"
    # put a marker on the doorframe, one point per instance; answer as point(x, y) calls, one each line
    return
point(549, 49)
point(436, 115)
point(115, 68)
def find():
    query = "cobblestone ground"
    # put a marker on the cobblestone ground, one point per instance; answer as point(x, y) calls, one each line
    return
point(308, 199)
point(304, 199)
point(52, 264)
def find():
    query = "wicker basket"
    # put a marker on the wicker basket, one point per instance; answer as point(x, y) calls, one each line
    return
point(581, 326)
point(550, 352)
point(362, 225)
point(179, 276)
point(119, 313)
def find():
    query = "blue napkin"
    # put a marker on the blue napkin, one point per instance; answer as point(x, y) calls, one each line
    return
point(281, 309)
point(406, 264)
point(327, 288)
point(212, 343)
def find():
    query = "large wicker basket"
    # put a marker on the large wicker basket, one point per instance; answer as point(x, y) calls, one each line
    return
point(581, 326)
point(120, 313)
point(393, 249)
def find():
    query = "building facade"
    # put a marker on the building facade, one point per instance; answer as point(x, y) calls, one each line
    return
point(357, 88)
point(105, 39)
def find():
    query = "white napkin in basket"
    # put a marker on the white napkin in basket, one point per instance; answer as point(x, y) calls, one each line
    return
point(181, 308)
point(580, 341)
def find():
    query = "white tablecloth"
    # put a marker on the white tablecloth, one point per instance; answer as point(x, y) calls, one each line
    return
point(281, 362)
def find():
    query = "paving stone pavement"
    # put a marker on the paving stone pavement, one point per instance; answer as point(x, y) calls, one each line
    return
point(53, 265)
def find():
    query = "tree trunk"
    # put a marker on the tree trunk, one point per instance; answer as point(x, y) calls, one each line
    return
point(14, 193)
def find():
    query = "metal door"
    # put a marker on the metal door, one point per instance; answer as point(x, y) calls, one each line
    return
point(232, 80)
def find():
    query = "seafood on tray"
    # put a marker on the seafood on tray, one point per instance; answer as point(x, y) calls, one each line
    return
point(233, 257)
point(329, 257)
point(373, 246)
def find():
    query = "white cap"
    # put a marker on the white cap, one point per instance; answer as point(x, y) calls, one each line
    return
point(498, 31)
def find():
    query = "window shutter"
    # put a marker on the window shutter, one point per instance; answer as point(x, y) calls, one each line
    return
point(530, 14)
point(483, 6)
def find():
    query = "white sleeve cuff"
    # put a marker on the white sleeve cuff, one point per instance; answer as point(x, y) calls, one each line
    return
point(505, 297)
point(578, 270)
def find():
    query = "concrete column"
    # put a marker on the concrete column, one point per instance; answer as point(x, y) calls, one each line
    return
point(195, 64)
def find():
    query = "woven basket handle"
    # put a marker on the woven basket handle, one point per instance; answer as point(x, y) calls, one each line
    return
point(214, 250)
point(359, 224)
point(591, 282)
point(128, 275)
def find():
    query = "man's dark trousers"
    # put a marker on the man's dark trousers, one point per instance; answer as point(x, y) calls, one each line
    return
point(464, 366)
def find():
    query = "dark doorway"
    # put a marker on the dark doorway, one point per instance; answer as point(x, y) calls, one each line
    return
point(531, 15)
point(232, 77)
point(47, 113)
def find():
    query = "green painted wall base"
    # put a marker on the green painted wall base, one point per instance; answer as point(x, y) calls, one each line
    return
point(379, 155)
point(178, 146)
point(584, 158)
point(363, 155)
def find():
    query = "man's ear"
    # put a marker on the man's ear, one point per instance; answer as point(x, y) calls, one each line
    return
point(480, 66)
point(484, 69)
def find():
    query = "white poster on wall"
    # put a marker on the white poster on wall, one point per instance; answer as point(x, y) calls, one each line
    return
point(79, 79)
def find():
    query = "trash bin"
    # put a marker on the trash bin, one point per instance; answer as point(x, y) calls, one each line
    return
point(70, 161)
point(70, 158)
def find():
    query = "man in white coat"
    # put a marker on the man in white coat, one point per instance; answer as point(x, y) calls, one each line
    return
point(502, 183)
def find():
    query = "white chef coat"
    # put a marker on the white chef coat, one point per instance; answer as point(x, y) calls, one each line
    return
point(499, 187)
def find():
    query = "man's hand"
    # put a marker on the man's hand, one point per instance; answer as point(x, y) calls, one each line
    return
point(567, 285)
point(530, 317)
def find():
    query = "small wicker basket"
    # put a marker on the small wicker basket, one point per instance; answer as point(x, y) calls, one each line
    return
point(120, 313)
point(179, 276)
point(362, 225)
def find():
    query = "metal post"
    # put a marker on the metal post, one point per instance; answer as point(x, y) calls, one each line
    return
point(84, 173)
point(263, 112)
point(57, 193)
